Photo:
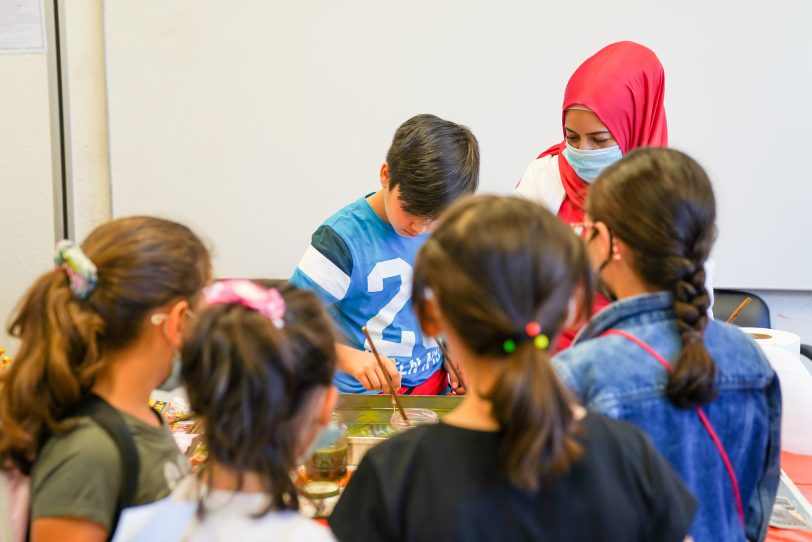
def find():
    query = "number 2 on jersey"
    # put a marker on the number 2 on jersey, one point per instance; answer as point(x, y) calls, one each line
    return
point(386, 316)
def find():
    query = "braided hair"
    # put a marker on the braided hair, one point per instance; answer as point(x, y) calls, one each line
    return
point(660, 203)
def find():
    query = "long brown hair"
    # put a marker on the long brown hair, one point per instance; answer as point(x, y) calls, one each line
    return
point(660, 203)
point(142, 263)
point(495, 264)
point(249, 382)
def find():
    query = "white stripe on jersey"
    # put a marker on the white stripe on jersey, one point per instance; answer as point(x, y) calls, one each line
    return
point(325, 273)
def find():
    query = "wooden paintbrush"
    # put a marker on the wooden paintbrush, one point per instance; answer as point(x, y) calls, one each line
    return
point(392, 389)
point(739, 309)
point(451, 364)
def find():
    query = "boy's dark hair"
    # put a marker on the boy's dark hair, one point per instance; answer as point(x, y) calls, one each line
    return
point(250, 382)
point(495, 264)
point(660, 203)
point(434, 162)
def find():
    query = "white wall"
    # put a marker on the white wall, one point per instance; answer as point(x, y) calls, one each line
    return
point(26, 178)
point(29, 156)
point(87, 163)
point(790, 311)
point(255, 120)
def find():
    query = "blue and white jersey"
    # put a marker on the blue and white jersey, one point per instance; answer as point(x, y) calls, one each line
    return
point(362, 270)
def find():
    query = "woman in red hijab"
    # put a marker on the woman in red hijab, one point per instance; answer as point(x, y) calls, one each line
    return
point(613, 104)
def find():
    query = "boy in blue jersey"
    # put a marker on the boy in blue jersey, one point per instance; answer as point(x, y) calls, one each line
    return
point(360, 259)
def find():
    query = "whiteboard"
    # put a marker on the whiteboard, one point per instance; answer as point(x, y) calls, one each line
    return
point(254, 120)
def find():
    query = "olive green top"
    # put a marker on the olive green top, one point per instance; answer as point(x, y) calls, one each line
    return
point(78, 473)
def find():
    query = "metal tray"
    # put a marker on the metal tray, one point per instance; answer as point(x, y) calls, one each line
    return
point(367, 417)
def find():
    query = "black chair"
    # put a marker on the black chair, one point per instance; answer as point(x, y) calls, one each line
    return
point(756, 314)
point(806, 352)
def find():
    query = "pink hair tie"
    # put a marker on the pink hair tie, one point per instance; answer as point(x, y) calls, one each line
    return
point(266, 301)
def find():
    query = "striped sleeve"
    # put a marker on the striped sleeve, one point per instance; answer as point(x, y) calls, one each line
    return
point(326, 266)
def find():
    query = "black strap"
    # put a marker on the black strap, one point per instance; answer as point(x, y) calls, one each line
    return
point(109, 419)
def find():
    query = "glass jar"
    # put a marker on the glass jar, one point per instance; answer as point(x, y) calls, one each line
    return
point(323, 497)
point(416, 416)
point(330, 462)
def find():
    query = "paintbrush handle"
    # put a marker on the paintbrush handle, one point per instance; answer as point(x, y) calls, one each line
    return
point(739, 309)
point(451, 363)
point(392, 390)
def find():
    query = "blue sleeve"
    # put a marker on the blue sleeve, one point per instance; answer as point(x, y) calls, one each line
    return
point(326, 267)
point(759, 508)
point(564, 368)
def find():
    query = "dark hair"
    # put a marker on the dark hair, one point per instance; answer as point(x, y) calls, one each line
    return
point(660, 203)
point(434, 162)
point(494, 264)
point(249, 381)
point(142, 263)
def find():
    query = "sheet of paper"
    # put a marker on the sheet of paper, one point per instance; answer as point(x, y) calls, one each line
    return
point(796, 399)
point(184, 440)
point(791, 511)
point(22, 26)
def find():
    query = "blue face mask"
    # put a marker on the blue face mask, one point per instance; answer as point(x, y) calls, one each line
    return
point(588, 164)
point(173, 380)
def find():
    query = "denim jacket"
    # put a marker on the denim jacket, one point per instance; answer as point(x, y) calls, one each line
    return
point(616, 377)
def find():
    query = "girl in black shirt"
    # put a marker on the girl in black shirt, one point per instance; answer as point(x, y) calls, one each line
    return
point(516, 460)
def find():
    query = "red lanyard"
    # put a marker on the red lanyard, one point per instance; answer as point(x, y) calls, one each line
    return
point(704, 419)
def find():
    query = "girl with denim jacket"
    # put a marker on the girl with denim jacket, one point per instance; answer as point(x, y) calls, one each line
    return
point(702, 389)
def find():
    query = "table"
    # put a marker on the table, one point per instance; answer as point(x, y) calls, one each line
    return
point(799, 469)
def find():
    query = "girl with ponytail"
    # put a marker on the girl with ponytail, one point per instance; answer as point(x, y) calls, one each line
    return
point(517, 460)
point(258, 367)
point(701, 389)
point(101, 328)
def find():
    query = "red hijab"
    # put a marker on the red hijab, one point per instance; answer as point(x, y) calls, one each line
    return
point(624, 85)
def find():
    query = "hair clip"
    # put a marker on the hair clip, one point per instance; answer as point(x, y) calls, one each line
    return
point(80, 270)
point(532, 331)
point(268, 302)
point(540, 340)
point(509, 346)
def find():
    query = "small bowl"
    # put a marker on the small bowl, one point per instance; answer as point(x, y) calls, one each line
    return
point(416, 416)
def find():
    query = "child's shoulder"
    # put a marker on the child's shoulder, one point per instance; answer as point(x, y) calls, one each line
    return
point(351, 216)
point(356, 229)
point(583, 354)
point(77, 474)
point(85, 444)
point(241, 524)
point(293, 526)
point(337, 236)
point(736, 354)
point(398, 448)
